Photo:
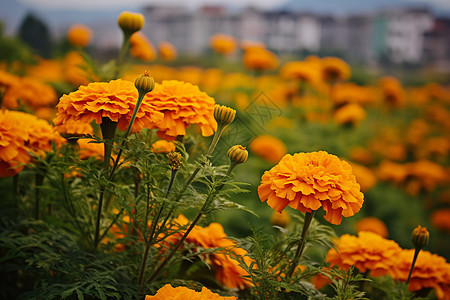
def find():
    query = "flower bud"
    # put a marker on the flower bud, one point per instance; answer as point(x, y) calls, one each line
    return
point(174, 160)
point(130, 22)
point(238, 154)
point(144, 83)
point(420, 237)
point(224, 115)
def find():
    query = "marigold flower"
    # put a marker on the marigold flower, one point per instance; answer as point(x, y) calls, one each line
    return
point(391, 171)
point(364, 176)
point(237, 154)
point(162, 146)
point(79, 35)
point(260, 59)
point(89, 149)
point(305, 71)
point(74, 69)
point(168, 292)
point(13, 152)
point(367, 252)
point(268, 148)
point(72, 129)
point(46, 70)
point(130, 22)
point(350, 114)
point(223, 44)
point(392, 91)
point(115, 100)
point(430, 271)
point(144, 83)
point(280, 219)
point(427, 173)
point(223, 114)
point(361, 155)
point(174, 160)
point(334, 69)
point(308, 181)
point(141, 47)
point(349, 92)
point(182, 104)
point(420, 237)
point(7, 83)
point(441, 219)
point(372, 224)
point(167, 51)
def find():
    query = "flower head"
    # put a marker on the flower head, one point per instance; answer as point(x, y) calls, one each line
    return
point(237, 154)
point(114, 100)
point(260, 59)
point(352, 114)
point(141, 47)
point(223, 114)
point(334, 68)
point(168, 292)
point(223, 44)
point(367, 252)
point(441, 219)
point(372, 224)
point(430, 271)
point(304, 71)
point(79, 35)
point(130, 22)
point(182, 104)
point(163, 146)
point(268, 148)
point(167, 51)
point(308, 181)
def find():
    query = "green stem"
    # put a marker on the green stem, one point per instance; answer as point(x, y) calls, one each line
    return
point(39, 179)
point(123, 53)
point(152, 231)
point(416, 254)
point(298, 254)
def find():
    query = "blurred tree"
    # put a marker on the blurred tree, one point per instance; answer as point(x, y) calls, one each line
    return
point(35, 33)
point(13, 49)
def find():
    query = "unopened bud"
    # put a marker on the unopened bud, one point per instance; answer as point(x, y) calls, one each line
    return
point(144, 83)
point(238, 154)
point(420, 237)
point(130, 22)
point(174, 160)
point(223, 114)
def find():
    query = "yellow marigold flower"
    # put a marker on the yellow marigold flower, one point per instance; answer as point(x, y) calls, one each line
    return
point(334, 69)
point(130, 22)
point(163, 146)
point(305, 71)
point(430, 271)
point(34, 93)
point(349, 92)
point(13, 135)
point(308, 181)
point(280, 219)
point(167, 51)
point(189, 74)
point(222, 43)
point(441, 219)
point(45, 113)
point(114, 100)
point(141, 47)
point(89, 149)
point(392, 172)
point(367, 252)
point(182, 104)
point(47, 70)
point(168, 292)
point(79, 35)
point(427, 173)
point(364, 176)
point(268, 148)
point(74, 71)
point(392, 91)
point(350, 114)
point(372, 224)
point(9, 83)
point(260, 59)
point(73, 128)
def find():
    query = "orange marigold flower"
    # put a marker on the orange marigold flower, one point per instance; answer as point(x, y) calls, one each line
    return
point(268, 148)
point(141, 47)
point(430, 271)
point(182, 104)
point(79, 35)
point(427, 173)
point(308, 181)
point(8, 83)
point(441, 219)
point(168, 292)
point(167, 51)
point(163, 146)
point(392, 91)
point(34, 92)
point(334, 69)
point(89, 149)
point(352, 114)
point(372, 224)
point(75, 69)
point(222, 43)
point(391, 171)
point(305, 71)
point(47, 70)
point(364, 176)
point(114, 100)
point(349, 92)
point(367, 252)
point(260, 59)
point(361, 155)
point(13, 135)
point(73, 128)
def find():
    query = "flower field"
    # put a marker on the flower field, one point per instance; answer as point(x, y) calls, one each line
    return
point(240, 175)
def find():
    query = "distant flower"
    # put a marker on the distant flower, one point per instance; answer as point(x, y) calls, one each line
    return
point(441, 219)
point(364, 176)
point(430, 271)
point(8, 84)
point(392, 92)
point(130, 22)
point(349, 92)
point(34, 92)
point(392, 172)
point(168, 292)
point(13, 151)
point(163, 146)
point(268, 148)
point(361, 155)
point(141, 47)
point(280, 219)
point(367, 252)
point(304, 71)
point(429, 174)
point(182, 104)
point(335, 69)
point(89, 148)
point(79, 35)
point(352, 114)
point(260, 59)
point(167, 51)
point(74, 68)
point(372, 224)
point(114, 100)
point(46, 70)
point(308, 181)
point(223, 44)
